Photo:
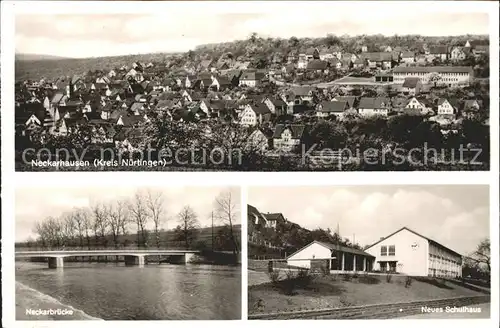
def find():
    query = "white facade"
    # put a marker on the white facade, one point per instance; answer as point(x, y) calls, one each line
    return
point(303, 257)
point(410, 253)
point(248, 117)
point(415, 104)
point(443, 263)
point(248, 83)
point(457, 54)
point(286, 142)
point(451, 78)
point(373, 111)
point(445, 108)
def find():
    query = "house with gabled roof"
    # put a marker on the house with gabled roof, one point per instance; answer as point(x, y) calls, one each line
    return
point(329, 108)
point(447, 107)
point(254, 114)
point(251, 78)
point(339, 258)
point(440, 52)
point(409, 252)
point(287, 137)
point(412, 86)
point(374, 106)
point(418, 105)
point(377, 59)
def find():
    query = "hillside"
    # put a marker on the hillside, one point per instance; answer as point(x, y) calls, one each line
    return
point(259, 51)
point(32, 67)
point(284, 239)
point(36, 57)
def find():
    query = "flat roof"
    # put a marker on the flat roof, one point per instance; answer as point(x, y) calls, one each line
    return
point(430, 69)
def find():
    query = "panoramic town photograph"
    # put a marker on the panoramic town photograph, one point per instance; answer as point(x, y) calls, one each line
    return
point(240, 91)
point(369, 252)
point(128, 253)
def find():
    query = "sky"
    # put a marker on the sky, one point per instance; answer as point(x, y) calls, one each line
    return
point(95, 35)
point(455, 216)
point(34, 204)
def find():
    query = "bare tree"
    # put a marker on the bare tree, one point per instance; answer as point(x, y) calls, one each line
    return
point(79, 219)
point(482, 255)
point(69, 228)
point(188, 223)
point(155, 206)
point(54, 231)
point(139, 212)
point(126, 218)
point(41, 231)
point(87, 225)
point(117, 213)
point(227, 210)
point(100, 222)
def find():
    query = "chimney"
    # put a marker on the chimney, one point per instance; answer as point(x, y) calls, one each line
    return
point(381, 238)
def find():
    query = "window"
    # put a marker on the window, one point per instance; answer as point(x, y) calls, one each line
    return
point(383, 250)
point(392, 250)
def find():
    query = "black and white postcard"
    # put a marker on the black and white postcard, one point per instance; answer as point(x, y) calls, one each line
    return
point(238, 91)
point(369, 252)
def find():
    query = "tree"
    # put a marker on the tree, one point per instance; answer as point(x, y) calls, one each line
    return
point(332, 40)
point(253, 37)
point(188, 223)
point(482, 255)
point(435, 78)
point(101, 222)
point(69, 228)
point(155, 206)
point(138, 209)
point(117, 216)
point(227, 210)
point(294, 41)
point(79, 218)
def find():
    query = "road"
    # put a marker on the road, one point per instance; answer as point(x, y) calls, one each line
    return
point(485, 313)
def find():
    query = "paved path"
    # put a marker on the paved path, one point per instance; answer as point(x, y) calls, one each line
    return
point(485, 313)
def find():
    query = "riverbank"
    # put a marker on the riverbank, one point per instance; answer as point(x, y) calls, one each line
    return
point(44, 307)
point(336, 292)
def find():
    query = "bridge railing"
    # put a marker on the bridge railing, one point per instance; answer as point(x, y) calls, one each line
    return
point(72, 248)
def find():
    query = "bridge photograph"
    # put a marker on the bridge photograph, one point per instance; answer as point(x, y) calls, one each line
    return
point(137, 253)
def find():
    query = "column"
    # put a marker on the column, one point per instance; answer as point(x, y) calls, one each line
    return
point(364, 264)
point(134, 260)
point(188, 257)
point(56, 262)
point(354, 262)
point(343, 260)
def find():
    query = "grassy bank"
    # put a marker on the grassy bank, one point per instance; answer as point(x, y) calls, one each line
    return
point(28, 298)
point(333, 291)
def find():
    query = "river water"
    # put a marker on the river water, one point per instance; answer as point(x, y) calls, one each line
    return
point(112, 291)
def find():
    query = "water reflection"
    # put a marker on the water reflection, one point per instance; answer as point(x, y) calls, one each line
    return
point(115, 292)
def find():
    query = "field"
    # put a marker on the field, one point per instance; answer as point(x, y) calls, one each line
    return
point(335, 291)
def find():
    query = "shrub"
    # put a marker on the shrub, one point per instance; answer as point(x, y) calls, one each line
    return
point(355, 275)
point(304, 278)
point(289, 274)
point(388, 277)
point(369, 279)
point(274, 276)
point(347, 277)
point(325, 270)
point(408, 282)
